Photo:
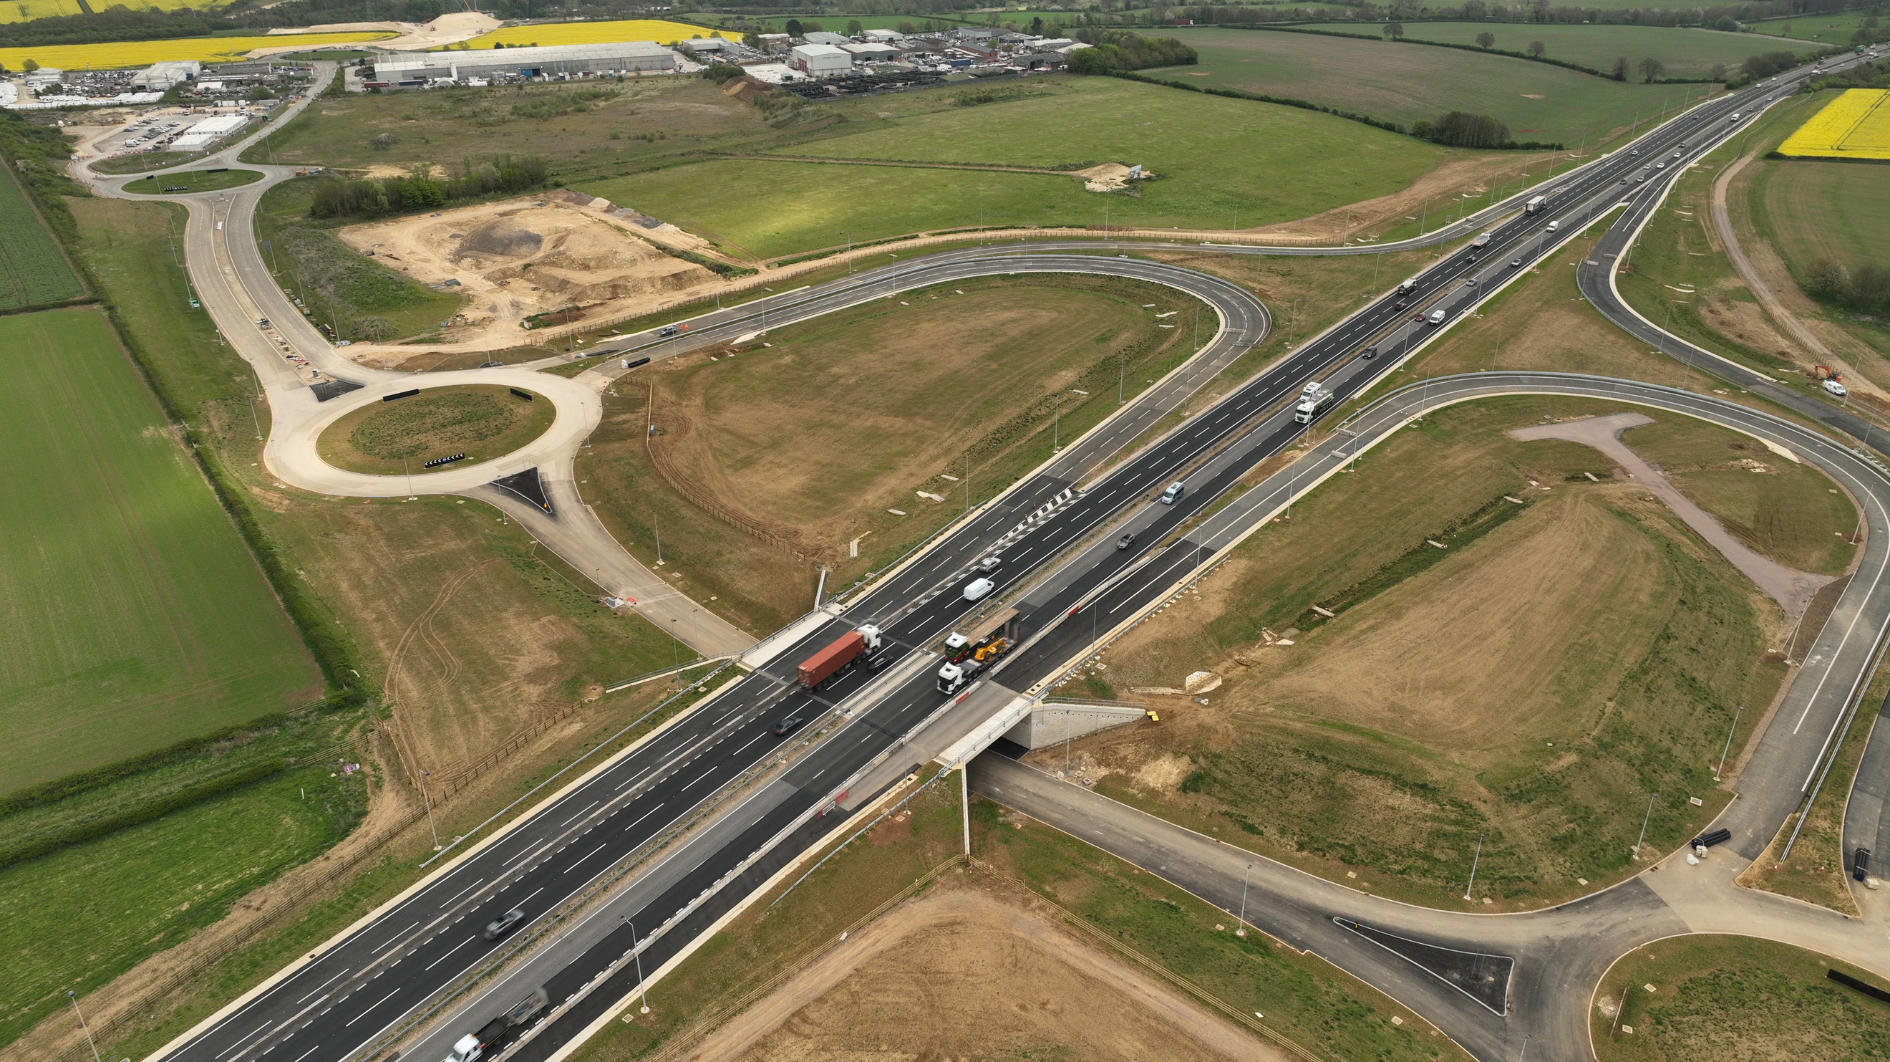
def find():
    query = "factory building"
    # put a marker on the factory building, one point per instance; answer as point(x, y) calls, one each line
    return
point(623, 57)
point(162, 77)
point(820, 60)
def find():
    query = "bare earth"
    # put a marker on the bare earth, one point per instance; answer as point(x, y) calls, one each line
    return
point(959, 974)
point(528, 256)
point(1792, 589)
point(413, 36)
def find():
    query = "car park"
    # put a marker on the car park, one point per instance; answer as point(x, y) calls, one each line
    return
point(504, 924)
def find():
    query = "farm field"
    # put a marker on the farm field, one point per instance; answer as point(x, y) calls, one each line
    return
point(1811, 210)
point(904, 994)
point(1193, 144)
point(1406, 83)
point(1686, 51)
point(1833, 29)
point(1373, 747)
point(1717, 997)
point(32, 271)
point(139, 617)
point(1856, 125)
point(119, 55)
point(482, 421)
point(548, 34)
point(776, 459)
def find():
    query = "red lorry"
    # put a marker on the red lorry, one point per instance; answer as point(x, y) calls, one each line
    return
point(845, 651)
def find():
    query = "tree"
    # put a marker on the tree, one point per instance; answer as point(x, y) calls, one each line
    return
point(375, 328)
point(1036, 26)
point(1463, 129)
point(1652, 68)
point(1719, 72)
point(29, 65)
point(383, 141)
point(1394, 30)
point(1538, 49)
point(794, 27)
point(854, 29)
point(1620, 69)
point(1486, 40)
point(1727, 24)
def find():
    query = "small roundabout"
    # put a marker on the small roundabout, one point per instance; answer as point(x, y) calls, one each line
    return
point(185, 182)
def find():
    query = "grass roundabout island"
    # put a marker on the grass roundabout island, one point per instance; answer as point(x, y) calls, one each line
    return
point(481, 421)
point(189, 181)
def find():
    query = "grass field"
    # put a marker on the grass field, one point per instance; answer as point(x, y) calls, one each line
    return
point(357, 295)
point(1685, 51)
point(1302, 997)
point(1812, 210)
point(1856, 125)
point(122, 54)
point(139, 617)
point(807, 444)
point(548, 34)
point(151, 886)
point(1194, 144)
point(1833, 29)
point(32, 271)
point(1718, 997)
point(192, 181)
point(482, 421)
point(144, 160)
point(1436, 708)
point(1406, 83)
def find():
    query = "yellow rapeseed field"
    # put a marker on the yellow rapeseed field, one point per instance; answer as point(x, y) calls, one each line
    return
point(121, 55)
point(21, 10)
point(635, 29)
point(1856, 125)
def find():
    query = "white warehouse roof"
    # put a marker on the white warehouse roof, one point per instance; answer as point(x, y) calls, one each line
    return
point(641, 54)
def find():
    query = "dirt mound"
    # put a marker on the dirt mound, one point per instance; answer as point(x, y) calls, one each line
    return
point(502, 237)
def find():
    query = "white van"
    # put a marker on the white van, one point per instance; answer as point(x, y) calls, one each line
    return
point(1552, 226)
point(1437, 317)
point(978, 588)
point(1172, 494)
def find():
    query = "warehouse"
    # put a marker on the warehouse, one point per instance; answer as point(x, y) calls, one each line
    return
point(820, 60)
point(623, 57)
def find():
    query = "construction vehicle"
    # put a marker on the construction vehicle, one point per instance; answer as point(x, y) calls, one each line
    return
point(968, 653)
point(1311, 407)
point(473, 1046)
point(1408, 286)
point(845, 651)
point(1535, 204)
point(1480, 242)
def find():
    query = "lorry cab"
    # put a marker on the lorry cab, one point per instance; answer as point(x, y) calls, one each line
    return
point(1172, 494)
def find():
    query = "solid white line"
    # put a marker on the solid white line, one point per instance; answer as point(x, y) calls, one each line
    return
point(586, 855)
point(449, 951)
point(264, 1028)
point(581, 811)
point(632, 826)
point(394, 941)
point(310, 1051)
point(460, 893)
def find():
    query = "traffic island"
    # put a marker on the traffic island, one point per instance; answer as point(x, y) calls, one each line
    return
point(417, 432)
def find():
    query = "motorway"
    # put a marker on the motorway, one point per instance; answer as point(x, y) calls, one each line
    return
point(724, 757)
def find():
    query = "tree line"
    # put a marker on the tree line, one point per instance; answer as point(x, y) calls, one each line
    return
point(342, 197)
point(1118, 50)
point(1864, 288)
point(1731, 17)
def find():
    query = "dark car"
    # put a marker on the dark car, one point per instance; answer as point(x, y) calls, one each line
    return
point(1860, 864)
point(1417, 318)
point(788, 725)
point(504, 924)
point(668, 330)
point(1125, 541)
point(1369, 353)
point(878, 663)
point(1402, 303)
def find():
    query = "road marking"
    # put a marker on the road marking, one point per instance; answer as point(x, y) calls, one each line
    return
point(586, 855)
point(310, 1051)
point(244, 1040)
point(460, 893)
point(587, 807)
point(450, 951)
point(394, 941)
point(324, 984)
point(370, 1009)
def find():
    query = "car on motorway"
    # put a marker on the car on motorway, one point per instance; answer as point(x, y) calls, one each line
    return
point(1642, 179)
point(1515, 263)
point(1437, 317)
point(1552, 226)
point(1470, 282)
point(1417, 318)
point(788, 725)
point(978, 589)
point(1660, 165)
point(1173, 493)
point(668, 330)
point(1369, 353)
point(1126, 541)
point(989, 564)
point(504, 924)
point(1402, 303)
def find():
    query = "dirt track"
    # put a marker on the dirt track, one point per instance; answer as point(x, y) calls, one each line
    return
point(963, 974)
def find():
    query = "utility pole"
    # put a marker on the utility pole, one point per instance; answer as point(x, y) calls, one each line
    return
point(657, 527)
point(1241, 919)
point(1729, 736)
point(1644, 821)
point(1474, 860)
point(1122, 368)
point(73, 996)
point(639, 957)
point(967, 480)
point(428, 801)
point(1056, 423)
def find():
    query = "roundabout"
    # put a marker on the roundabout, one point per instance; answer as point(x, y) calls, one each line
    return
point(432, 429)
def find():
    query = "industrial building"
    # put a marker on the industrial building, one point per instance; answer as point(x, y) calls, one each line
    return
point(162, 77)
point(820, 60)
point(623, 57)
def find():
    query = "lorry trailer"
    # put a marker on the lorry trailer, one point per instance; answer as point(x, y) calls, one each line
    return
point(839, 656)
point(474, 1045)
point(1480, 242)
point(1312, 407)
point(1535, 204)
point(972, 651)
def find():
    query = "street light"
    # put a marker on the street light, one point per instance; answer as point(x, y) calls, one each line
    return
point(88, 1029)
point(641, 990)
point(1728, 749)
point(1242, 917)
point(428, 801)
point(1644, 821)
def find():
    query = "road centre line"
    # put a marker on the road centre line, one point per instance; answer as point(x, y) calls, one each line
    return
point(370, 1009)
point(450, 951)
point(397, 938)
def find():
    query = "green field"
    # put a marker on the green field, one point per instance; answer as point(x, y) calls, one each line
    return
point(32, 271)
point(1685, 51)
point(144, 160)
point(482, 421)
point(1201, 149)
point(139, 619)
point(1720, 997)
point(192, 181)
point(1405, 83)
point(1811, 209)
point(1834, 29)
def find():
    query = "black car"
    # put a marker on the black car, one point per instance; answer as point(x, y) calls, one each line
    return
point(504, 924)
point(788, 726)
point(1125, 541)
point(1860, 864)
point(1369, 353)
point(1402, 303)
point(668, 330)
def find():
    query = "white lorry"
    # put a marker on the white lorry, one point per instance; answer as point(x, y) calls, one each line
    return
point(473, 1046)
point(1312, 406)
